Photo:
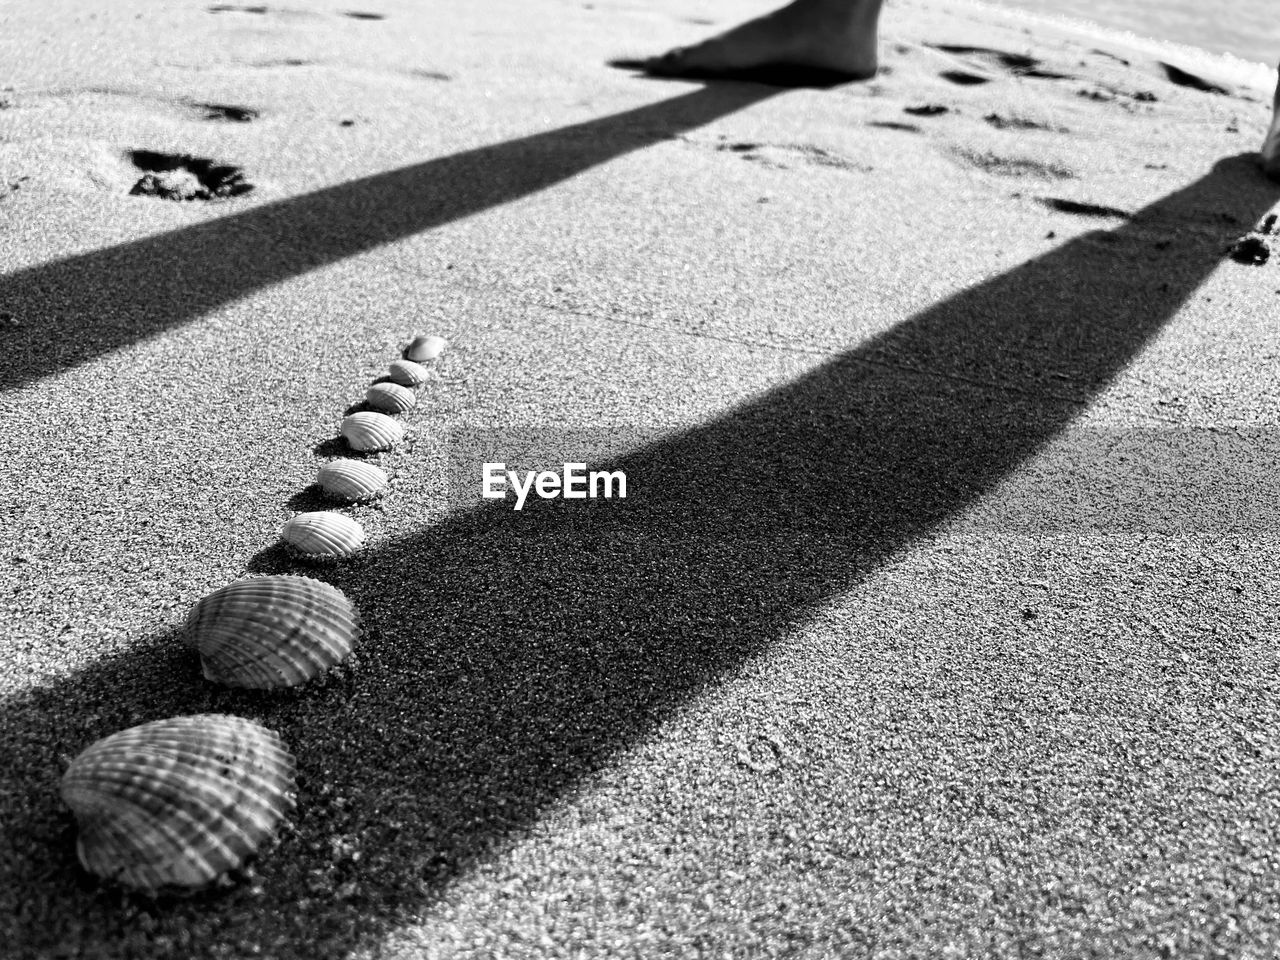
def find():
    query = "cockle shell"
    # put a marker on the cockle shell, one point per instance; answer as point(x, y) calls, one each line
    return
point(407, 373)
point(423, 347)
point(177, 803)
point(390, 397)
point(368, 432)
point(352, 481)
point(323, 535)
point(276, 631)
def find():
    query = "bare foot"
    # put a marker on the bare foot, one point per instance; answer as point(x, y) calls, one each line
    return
point(1270, 153)
point(838, 36)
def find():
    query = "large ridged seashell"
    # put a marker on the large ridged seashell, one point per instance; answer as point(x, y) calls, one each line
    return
point(177, 803)
point(407, 373)
point(423, 347)
point(276, 631)
point(323, 535)
point(390, 397)
point(368, 432)
point(352, 481)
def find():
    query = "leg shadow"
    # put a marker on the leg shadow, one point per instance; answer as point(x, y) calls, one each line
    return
point(510, 655)
point(79, 307)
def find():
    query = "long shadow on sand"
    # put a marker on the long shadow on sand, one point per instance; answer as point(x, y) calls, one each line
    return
point(79, 307)
point(508, 656)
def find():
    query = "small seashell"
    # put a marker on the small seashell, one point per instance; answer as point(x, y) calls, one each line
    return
point(423, 347)
point(276, 631)
point(352, 481)
point(368, 432)
point(390, 397)
point(323, 535)
point(177, 803)
point(407, 373)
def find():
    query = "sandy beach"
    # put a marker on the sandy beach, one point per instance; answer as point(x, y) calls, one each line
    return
point(940, 619)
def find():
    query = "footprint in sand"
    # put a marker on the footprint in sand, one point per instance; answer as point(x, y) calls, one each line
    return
point(1020, 123)
point(283, 13)
point(1111, 56)
point(1184, 78)
point(927, 110)
point(995, 61)
point(1124, 98)
point(288, 62)
point(171, 176)
point(774, 154)
point(753, 152)
point(963, 79)
point(227, 112)
point(1175, 75)
point(1063, 205)
point(895, 125)
point(1014, 166)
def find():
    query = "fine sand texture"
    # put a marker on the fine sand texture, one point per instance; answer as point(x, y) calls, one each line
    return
point(940, 619)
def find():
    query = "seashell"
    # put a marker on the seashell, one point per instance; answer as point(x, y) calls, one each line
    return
point(276, 631)
point(407, 373)
point(368, 432)
point(390, 397)
point(323, 535)
point(352, 480)
point(423, 347)
point(177, 803)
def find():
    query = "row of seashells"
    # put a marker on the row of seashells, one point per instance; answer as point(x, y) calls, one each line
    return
point(174, 805)
point(326, 535)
